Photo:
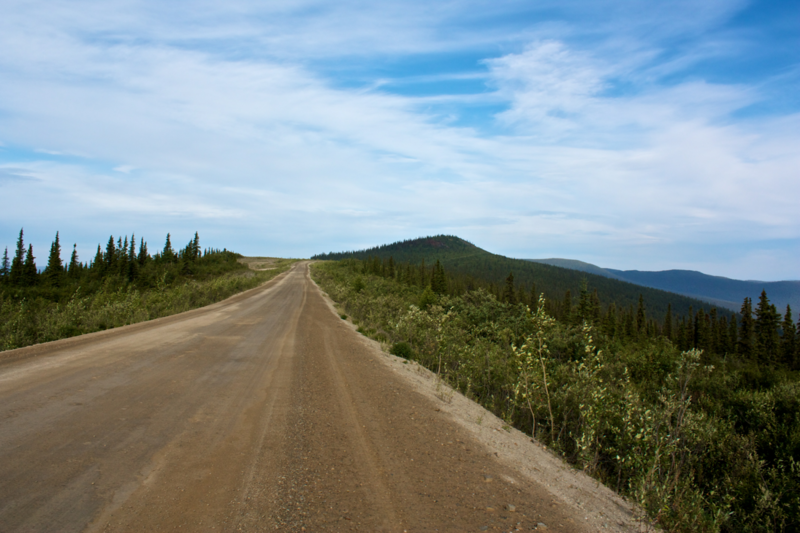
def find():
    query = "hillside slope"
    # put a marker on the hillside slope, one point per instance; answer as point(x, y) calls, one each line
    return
point(581, 266)
point(458, 255)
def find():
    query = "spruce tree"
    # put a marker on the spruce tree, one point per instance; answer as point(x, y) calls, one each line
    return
point(111, 253)
point(630, 326)
point(74, 263)
point(746, 344)
point(701, 330)
point(131, 264)
point(142, 258)
point(788, 339)
point(796, 365)
point(681, 335)
point(16, 274)
point(196, 249)
point(668, 322)
point(509, 294)
point(6, 268)
point(641, 316)
point(713, 331)
point(584, 309)
point(611, 320)
point(566, 312)
point(29, 272)
point(390, 273)
point(438, 279)
point(99, 264)
point(123, 252)
point(168, 254)
point(766, 328)
point(55, 268)
point(722, 336)
point(733, 336)
point(595, 308)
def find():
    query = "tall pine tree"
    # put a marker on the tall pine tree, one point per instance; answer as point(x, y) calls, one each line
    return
point(641, 317)
point(747, 332)
point(766, 328)
point(55, 268)
point(668, 322)
point(111, 254)
point(168, 254)
point(74, 264)
point(29, 273)
point(17, 272)
point(6, 268)
point(509, 294)
point(196, 250)
point(438, 279)
point(566, 311)
point(789, 339)
point(733, 336)
point(143, 256)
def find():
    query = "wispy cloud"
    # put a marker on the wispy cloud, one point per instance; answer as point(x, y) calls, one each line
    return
point(565, 129)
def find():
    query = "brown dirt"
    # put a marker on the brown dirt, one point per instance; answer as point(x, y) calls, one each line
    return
point(263, 412)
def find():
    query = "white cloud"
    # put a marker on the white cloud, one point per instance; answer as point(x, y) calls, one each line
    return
point(234, 120)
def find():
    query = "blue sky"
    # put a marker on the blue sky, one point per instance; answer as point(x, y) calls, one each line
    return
point(629, 134)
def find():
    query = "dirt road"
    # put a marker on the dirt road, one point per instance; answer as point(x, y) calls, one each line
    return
point(263, 412)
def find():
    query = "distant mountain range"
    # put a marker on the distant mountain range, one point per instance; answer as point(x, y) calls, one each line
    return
point(720, 291)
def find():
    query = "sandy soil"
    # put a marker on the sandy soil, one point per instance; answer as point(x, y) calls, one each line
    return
point(264, 412)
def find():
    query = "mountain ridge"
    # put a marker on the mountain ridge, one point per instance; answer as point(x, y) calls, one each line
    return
point(719, 290)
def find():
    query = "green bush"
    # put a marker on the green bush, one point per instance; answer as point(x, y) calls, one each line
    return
point(402, 349)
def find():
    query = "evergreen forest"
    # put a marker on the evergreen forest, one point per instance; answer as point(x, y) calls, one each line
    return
point(470, 266)
point(693, 413)
point(122, 284)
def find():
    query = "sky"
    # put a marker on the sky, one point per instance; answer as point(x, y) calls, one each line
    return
point(630, 134)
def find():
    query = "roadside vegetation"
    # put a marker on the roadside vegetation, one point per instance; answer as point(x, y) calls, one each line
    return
point(695, 417)
point(122, 285)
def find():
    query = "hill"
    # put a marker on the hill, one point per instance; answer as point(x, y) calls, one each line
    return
point(580, 266)
point(717, 290)
point(460, 256)
point(726, 291)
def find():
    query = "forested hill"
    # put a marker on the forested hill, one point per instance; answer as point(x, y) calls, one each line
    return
point(459, 256)
point(722, 291)
point(428, 249)
point(718, 290)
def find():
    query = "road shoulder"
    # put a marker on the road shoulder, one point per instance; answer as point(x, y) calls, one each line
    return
point(591, 503)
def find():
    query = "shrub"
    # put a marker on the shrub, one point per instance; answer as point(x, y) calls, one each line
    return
point(402, 349)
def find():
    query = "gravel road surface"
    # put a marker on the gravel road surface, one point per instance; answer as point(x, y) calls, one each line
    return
point(262, 412)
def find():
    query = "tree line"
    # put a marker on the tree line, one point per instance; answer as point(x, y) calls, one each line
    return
point(121, 262)
point(695, 416)
point(761, 335)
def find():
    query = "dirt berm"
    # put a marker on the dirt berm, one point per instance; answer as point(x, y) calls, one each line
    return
point(265, 412)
